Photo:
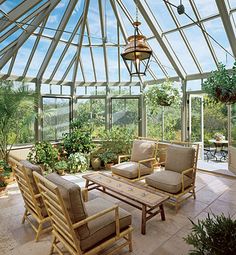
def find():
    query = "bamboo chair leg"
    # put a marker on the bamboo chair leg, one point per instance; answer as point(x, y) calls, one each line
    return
point(52, 246)
point(24, 216)
point(130, 242)
point(194, 194)
point(38, 232)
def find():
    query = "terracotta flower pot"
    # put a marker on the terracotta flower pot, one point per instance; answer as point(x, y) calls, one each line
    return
point(109, 165)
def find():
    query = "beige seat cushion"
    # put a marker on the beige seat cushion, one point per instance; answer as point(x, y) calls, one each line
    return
point(179, 158)
point(168, 181)
point(104, 226)
point(143, 149)
point(30, 168)
point(130, 169)
point(72, 196)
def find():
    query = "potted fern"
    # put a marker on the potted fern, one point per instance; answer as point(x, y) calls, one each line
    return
point(221, 85)
point(214, 235)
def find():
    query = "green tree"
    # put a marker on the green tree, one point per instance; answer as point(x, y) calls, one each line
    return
point(17, 113)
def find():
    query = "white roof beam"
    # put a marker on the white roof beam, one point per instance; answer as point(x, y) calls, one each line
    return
point(17, 12)
point(68, 43)
point(57, 36)
point(144, 10)
point(25, 35)
point(25, 20)
point(224, 14)
point(34, 47)
point(119, 20)
point(91, 52)
point(197, 15)
point(182, 34)
point(77, 54)
point(102, 23)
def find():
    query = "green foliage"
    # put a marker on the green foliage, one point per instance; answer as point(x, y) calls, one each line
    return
point(77, 162)
point(164, 94)
point(213, 236)
point(17, 114)
point(118, 140)
point(79, 139)
point(43, 153)
point(221, 85)
point(5, 171)
point(108, 157)
point(61, 165)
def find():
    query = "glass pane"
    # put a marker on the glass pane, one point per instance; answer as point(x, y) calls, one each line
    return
point(92, 111)
point(203, 7)
point(55, 117)
point(215, 119)
point(196, 38)
point(194, 85)
point(125, 113)
point(233, 125)
point(179, 47)
point(196, 119)
point(216, 29)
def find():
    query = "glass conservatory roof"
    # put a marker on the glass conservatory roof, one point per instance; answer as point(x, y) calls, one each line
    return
point(81, 40)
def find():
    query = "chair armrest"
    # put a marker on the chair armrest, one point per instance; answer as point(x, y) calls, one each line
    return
point(84, 194)
point(123, 156)
point(100, 214)
point(184, 173)
point(143, 161)
point(146, 160)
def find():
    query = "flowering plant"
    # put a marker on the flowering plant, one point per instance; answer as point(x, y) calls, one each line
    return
point(77, 162)
point(219, 136)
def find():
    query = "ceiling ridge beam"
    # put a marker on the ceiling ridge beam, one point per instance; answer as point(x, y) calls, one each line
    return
point(25, 35)
point(78, 52)
point(208, 41)
point(66, 48)
point(17, 12)
point(34, 47)
point(57, 36)
point(150, 21)
point(102, 24)
point(184, 37)
point(25, 20)
point(224, 14)
point(91, 51)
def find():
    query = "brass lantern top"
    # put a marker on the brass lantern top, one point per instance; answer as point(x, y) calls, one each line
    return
point(137, 46)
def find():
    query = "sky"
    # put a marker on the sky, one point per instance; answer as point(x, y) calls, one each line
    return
point(161, 19)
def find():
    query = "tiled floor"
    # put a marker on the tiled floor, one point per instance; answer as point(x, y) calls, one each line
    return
point(215, 194)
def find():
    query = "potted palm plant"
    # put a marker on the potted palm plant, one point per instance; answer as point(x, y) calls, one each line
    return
point(221, 85)
point(162, 94)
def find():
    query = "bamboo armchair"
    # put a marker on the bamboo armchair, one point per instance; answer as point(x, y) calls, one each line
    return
point(178, 178)
point(35, 211)
point(96, 229)
point(142, 160)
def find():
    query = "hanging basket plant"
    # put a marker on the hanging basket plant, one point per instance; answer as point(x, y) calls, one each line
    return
point(221, 85)
point(162, 94)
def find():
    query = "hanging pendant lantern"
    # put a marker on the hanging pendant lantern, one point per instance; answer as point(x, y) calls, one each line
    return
point(137, 53)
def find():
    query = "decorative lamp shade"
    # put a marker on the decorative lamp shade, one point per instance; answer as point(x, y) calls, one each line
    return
point(137, 53)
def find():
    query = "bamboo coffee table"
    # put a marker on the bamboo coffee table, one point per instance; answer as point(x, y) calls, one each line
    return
point(148, 201)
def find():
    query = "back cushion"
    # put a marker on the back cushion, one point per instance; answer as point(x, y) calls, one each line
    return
point(30, 168)
point(179, 158)
point(72, 197)
point(143, 149)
